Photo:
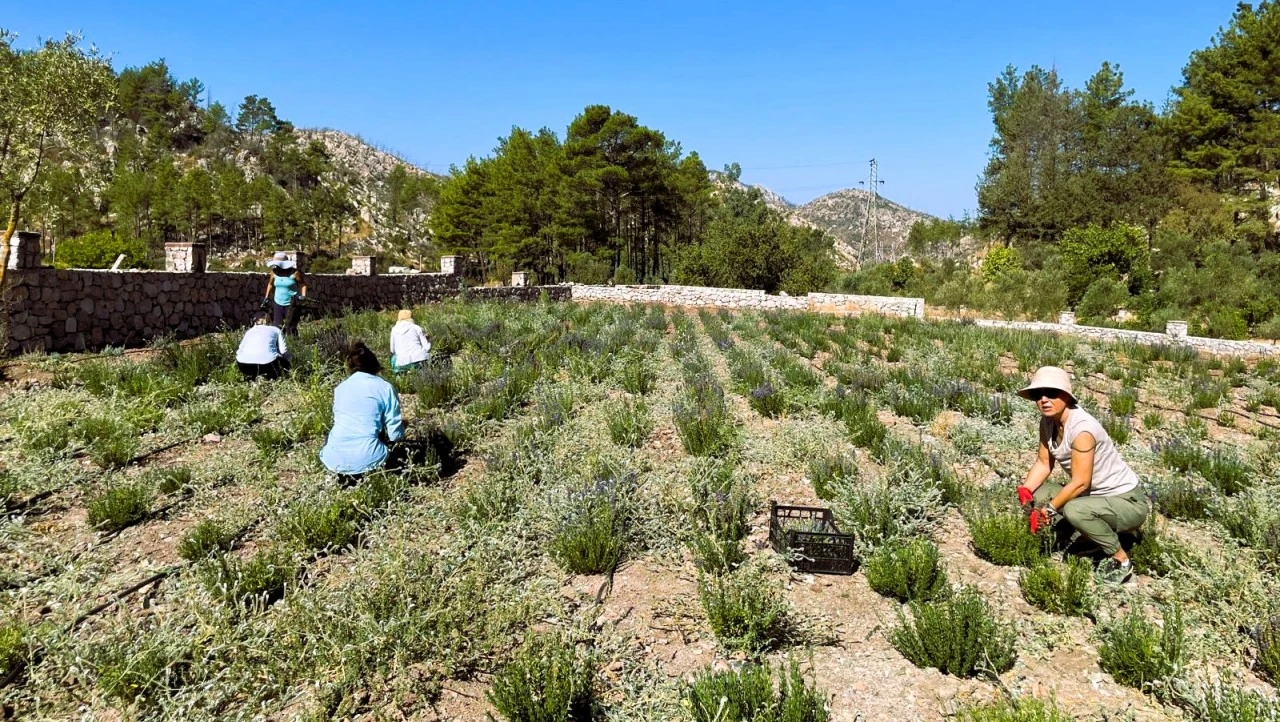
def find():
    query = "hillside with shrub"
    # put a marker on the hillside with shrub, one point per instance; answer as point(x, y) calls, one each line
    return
point(1094, 201)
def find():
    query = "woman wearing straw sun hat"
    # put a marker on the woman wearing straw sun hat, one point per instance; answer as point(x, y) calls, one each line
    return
point(283, 286)
point(1102, 496)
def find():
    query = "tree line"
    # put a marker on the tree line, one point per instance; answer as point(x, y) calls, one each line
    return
point(616, 200)
point(1094, 201)
point(103, 162)
point(133, 159)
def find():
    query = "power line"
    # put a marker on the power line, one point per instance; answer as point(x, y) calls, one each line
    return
point(808, 165)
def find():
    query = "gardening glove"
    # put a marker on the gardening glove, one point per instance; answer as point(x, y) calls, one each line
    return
point(1025, 496)
point(1043, 518)
point(266, 303)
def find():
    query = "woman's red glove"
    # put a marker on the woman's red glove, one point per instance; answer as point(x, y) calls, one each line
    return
point(1043, 518)
point(1025, 496)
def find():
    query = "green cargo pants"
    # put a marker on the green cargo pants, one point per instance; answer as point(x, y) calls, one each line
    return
point(1099, 518)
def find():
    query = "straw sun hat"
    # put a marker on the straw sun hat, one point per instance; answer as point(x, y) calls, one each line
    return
point(280, 260)
point(1048, 377)
point(404, 315)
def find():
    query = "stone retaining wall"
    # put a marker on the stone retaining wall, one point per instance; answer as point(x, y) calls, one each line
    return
point(74, 310)
point(740, 298)
point(1176, 337)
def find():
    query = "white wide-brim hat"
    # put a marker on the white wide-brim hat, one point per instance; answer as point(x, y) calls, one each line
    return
point(280, 260)
point(1048, 377)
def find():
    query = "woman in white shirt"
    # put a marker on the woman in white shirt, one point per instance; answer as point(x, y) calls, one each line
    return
point(1102, 496)
point(263, 351)
point(409, 346)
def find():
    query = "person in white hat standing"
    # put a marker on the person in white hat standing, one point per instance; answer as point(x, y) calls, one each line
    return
point(283, 286)
point(1102, 496)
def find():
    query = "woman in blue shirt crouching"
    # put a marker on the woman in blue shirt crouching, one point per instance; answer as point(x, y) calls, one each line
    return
point(366, 418)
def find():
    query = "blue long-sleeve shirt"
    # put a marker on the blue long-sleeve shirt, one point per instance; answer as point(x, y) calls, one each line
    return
point(365, 411)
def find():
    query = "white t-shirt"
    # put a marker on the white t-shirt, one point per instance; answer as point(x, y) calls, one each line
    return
point(1111, 475)
point(408, 344)
point(261, 345)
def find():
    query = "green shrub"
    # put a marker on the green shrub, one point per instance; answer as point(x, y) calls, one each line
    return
point(1117, 427)
point(959, 635)
point(1221, 468)
point(321, 524)
point(205, 538)
point(143, 669)
point(1222, 703)
point(722, 500)
point(1230, 474)
point(1267, 638)
point(1059, 588)
point(1137, 653)
point(120, 506)
point(831, 472)
point(745, 610)
point(9, 489)
point(918, 404)
point(546, 681)
point(173, 479)
point(110, 441)
point(1157, 553)
point(714, 554)
point(1024, 709)
point(747, 695)
point(434, 386)
point(218, 416)
point(1180, 497)
point(13, 648)
point(767, 400)
point(863, 425)
point(1004, 538)
point(553, 406)
point(636, 374)
point(703, 419)
point(908, 571)
point(271, 442)
point(967, 439)
point(629, 422)
point(1124, 402)
point(590, 537)
point(1152, 421)
point(885, 510)
point(254, 583)
point(99, 249)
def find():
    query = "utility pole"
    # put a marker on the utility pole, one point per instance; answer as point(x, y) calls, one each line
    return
point(870, 219)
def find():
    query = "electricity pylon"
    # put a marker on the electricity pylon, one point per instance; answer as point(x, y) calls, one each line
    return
point(870, 219)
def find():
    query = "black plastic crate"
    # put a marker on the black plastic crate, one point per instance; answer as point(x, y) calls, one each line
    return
point(808, 536)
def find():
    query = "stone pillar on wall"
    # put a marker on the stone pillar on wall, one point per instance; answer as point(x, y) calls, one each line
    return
point(1176, 329)
point(24, 250)
point(185, 257)
point(364, 265)
point(1067, 318)
point(519, 278)
point(449, 265)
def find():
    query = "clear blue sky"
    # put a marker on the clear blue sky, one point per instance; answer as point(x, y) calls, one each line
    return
point(801, 94)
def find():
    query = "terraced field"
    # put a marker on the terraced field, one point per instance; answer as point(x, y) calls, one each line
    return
point(591, 537)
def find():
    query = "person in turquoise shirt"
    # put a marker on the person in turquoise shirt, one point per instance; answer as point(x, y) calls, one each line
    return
point(285, 284)
point(366, 418)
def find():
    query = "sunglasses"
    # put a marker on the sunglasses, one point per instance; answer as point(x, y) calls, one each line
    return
point(1038, 394)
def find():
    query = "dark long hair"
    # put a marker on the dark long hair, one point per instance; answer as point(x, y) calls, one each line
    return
point(360, 358)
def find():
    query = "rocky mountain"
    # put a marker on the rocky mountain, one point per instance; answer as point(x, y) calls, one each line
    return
point(842, 214)
point(365, 168)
